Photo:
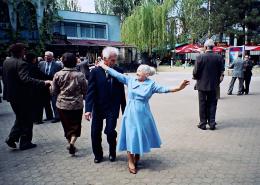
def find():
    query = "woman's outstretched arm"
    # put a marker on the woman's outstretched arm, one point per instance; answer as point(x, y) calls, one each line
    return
point(161, 89)
point(121, 77)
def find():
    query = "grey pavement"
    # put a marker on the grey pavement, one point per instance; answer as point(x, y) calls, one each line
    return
point(229, 155)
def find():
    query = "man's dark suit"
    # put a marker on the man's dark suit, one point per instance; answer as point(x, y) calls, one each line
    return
point(247, 75)
point(207, 72)
point(18, 90)
point(55, 67)
point(104, 97)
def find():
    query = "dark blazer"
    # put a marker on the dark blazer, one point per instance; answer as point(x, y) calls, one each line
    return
point(18, 84)
point(98, 99)
point(55, 67)
point(248, 67)
point(207, 71)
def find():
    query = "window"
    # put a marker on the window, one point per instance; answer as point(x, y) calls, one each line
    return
point(87, 30)
point(100, 32)
point(56, 28)
point(70, 29)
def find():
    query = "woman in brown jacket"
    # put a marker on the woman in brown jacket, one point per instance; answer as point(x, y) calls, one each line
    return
point(70, 86)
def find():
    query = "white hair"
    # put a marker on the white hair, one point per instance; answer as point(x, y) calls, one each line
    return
point(48, 53)
point(150, 71)
point(209, 42)
point(107, 51)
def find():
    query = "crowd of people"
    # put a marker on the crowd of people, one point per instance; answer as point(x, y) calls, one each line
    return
point(61, 88)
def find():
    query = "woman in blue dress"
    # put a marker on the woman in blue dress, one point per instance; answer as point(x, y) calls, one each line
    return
point(138, 130)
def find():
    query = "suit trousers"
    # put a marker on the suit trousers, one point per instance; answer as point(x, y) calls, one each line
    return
point(231, 85)
point(55, 110)
point(47, 105)
point(207, 107)
point(96, 133)
point(247, 80)
point(23, 126)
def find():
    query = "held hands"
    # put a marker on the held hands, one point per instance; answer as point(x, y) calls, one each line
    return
point(48, 82)
point(183, 84)
point(88, 116)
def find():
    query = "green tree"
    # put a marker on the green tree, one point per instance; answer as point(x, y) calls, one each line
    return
point(149, 27)
point(70, 5)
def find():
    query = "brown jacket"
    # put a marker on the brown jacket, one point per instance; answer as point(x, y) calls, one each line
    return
point(70, 86)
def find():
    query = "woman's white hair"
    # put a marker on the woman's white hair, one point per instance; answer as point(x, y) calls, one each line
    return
point(150, 71)
point(107, 51)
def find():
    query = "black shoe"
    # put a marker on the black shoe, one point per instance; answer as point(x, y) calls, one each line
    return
point(98, 159)
point(202, 127)
point(212, 127)
point(38, 122)
point(27, 146)
point(10, 143)
point(48, 119)
point(229, 93)
point(246, 93)
point(55, 120)
point(112, 158)
point(72, 149)
point(239, 94)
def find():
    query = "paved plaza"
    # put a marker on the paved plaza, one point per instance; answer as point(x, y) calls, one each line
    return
point(229, 155)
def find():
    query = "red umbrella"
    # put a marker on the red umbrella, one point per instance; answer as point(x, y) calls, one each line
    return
point(218, 49)
point(256, 49)
point(190, 48)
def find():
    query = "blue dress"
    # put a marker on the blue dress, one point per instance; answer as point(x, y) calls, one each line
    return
point(138, 130)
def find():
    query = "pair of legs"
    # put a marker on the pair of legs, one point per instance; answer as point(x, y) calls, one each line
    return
point(207, 108)
point(22, 131)
point(96, 135)
point(240, 85)
point(132, 162)
point(71, 123)
point(246, 83)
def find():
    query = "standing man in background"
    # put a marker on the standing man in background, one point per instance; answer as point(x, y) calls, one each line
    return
point(248, 64)
point(49, 67)
point(238, 72)
point(207, 71)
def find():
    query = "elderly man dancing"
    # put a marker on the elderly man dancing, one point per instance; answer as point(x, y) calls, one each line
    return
point(104, 96)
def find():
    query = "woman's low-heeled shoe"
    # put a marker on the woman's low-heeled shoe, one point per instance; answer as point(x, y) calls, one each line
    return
point(132, 170)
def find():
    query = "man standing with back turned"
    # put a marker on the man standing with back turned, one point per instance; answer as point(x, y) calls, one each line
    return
point(105, 94)
point(207, 72)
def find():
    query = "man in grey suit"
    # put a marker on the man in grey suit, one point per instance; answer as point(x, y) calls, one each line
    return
point(207, 71)
point(238, 72)
point(49, 67)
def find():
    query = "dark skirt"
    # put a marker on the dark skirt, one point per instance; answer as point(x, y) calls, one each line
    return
point(71, 122)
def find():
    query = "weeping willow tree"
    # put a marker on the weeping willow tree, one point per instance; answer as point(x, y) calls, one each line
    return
point(149, 26)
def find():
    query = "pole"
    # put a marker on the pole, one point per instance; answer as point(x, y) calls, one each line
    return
point(209, 10)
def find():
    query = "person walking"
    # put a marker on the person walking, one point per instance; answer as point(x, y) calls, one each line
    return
point(138, 131)
point(207, 72)
point(34, 72)
point(238, 72)
point(50, 67)
point(104, 97)
point(248, 64)
point(70, 86)
point(18, 87)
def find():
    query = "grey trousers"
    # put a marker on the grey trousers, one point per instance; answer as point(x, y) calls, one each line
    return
point(240, 85)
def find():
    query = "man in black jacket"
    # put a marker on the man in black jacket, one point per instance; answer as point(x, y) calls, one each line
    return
point(207, 72)
point(18, 89)
point(104, 96)
point(247, 74)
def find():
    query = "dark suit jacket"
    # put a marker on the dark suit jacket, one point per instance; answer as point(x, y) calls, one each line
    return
point(55, 67)
point(98, 99)
point(248, 68)
point(18, 84)
point(207, 71)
